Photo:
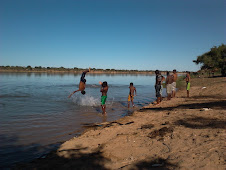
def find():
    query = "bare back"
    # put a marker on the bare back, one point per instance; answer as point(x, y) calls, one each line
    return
point(187, 79)
point(174, 77)
point(82, 86)
point(104, 91)
point(169, 79)
point(132, 90)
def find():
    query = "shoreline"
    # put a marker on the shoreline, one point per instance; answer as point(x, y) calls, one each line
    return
point(79, 72)
point(169, 135)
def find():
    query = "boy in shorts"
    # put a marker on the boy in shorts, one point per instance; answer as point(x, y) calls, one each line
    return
point(132, 90)
point(158, 85)
point(103, 90)
point(169, 81)
point(174, 84)
point(82, 84)
point(187, 79)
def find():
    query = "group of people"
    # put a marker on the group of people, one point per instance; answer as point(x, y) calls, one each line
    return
point(170, 82)
point(103, 90)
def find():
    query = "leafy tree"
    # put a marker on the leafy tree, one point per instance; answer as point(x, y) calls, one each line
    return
point(213, 60)
point(38, 67)
point(29, 68)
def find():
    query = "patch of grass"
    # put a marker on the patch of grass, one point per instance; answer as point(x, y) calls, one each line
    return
point(181, 82)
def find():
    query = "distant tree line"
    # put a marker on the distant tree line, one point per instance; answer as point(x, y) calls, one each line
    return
point(75, 69)
point(213, 60)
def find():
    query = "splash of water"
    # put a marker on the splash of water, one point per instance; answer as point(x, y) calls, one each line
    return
point(86, 100)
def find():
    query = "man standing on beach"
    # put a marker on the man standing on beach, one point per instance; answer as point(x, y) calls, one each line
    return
point(82, 84)
point(174, 83)
point(103, 90)
point(187, 79)
point(169, 81)
point(158, 85)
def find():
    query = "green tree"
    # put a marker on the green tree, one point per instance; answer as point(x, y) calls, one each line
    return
point(75, 68)
point(29, 68)
point(213, 60)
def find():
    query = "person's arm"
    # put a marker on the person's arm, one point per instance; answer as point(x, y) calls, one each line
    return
point(135, 91)
point(73, 93)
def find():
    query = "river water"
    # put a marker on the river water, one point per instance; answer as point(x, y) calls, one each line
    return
point(36, 114)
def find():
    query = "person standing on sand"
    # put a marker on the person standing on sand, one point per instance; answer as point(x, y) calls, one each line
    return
point(187, 79)
point(103, 90)
point(132, 89)
point(82, 84)
point(161, 90)
point(169, 81)
point(174, 84)
point(158, 85)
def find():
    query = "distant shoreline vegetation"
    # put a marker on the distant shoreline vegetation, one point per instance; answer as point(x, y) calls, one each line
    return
point(73, 70)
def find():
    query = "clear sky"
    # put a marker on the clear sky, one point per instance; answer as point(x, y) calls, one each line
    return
point(120, 34)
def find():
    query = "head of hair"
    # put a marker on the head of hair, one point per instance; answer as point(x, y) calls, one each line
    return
point(104, 84)
point(174, 70)
point(156, 71)
point(83, 92)
point(131, 84)
point(167, 73)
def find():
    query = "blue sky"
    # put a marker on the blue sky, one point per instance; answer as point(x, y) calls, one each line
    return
point(120, 34)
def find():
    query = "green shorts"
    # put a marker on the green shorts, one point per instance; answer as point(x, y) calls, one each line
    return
point(103, 100)
point(188, 86)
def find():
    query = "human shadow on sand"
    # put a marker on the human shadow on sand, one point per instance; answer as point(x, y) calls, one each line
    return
point(201, 123)
point(76, 159)
point(157, 163)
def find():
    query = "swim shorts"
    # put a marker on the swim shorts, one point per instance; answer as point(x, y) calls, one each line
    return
point(174, 86)
point(83, 77)
point(161, 89)
point(188, 86)
point(169, 88)
point(130, 98)
point(103, 100)
point(157, 90)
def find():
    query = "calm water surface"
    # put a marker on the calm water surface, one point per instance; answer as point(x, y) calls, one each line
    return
point(36, 115)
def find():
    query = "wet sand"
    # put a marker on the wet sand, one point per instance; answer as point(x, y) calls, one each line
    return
point(183, 133)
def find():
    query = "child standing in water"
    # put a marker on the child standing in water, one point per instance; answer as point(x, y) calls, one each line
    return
point(132, 89)
point(103, 90)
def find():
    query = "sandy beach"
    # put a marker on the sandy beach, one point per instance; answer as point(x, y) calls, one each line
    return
point(183, 133)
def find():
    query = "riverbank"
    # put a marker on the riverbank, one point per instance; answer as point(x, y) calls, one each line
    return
point(71, 71)
point(184, 133)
